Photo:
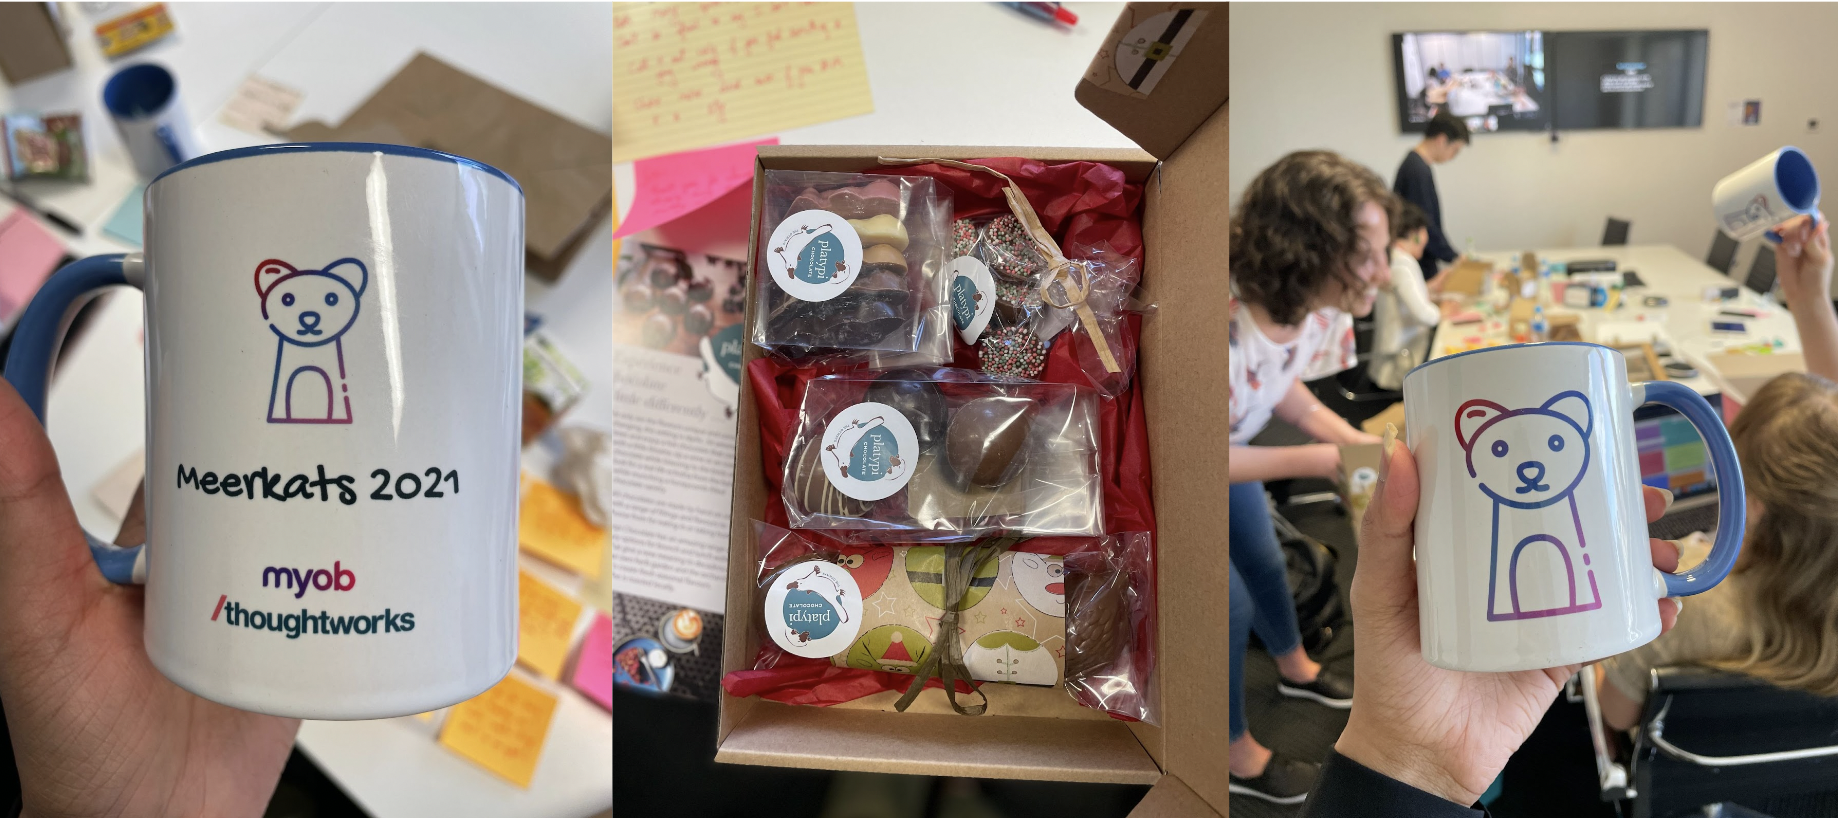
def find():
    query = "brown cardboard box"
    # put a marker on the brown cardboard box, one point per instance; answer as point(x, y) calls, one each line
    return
point(1741, 376)
point(1184, 382)
point(566, 170)
point(1467, 278)
point(31, 42)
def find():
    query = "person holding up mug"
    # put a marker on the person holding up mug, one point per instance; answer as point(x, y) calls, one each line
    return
point(1309, 244)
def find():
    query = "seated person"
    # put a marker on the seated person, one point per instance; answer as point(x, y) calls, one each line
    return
point(1774, 617)
point(1405, 315)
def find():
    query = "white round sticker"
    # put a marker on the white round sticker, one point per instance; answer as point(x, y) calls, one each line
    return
point(869, 451)
point(814, 255)
point(973, 297)
point(813, 609)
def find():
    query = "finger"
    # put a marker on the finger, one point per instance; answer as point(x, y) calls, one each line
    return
point(1385, 574)
point(1666, 554)
point(1657, 501)
point(1668, 613)
point(46, 572)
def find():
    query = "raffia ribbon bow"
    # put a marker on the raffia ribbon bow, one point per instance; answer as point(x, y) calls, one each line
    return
point(946, 661)
point(1059, 268)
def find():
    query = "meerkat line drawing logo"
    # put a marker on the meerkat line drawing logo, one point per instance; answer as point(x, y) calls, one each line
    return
point(310, 311)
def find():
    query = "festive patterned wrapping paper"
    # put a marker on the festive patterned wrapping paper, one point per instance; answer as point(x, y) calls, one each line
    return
point(1011, 623)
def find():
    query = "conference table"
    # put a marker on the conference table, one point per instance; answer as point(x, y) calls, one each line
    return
point(1683, 324)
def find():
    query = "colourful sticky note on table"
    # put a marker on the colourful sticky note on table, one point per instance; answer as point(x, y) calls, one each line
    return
point(545, 620)
point(502, 729)
point(678, 184)
point(552, 527)
point(593, 672)
point(28, 253)
point(687, 75)
point(126, 223)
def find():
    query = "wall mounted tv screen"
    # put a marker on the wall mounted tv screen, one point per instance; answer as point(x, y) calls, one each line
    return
point(1628, 79)
point(1494, 80)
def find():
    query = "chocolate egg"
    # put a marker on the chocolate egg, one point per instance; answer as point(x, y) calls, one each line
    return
point(699, 320)
point(673, 301)
point(636, 297)
point(918, 399)
point(808, 486)
point(658, 330)
point(700, 290)
point(1097, 623)
point(987, 438)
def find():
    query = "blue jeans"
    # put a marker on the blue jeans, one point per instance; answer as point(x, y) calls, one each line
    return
point(1260, 590)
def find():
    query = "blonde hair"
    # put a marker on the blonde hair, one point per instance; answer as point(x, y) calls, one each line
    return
point(1787, 440)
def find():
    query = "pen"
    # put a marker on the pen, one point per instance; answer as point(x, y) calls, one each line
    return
point(1046, 12)
point(34, 209)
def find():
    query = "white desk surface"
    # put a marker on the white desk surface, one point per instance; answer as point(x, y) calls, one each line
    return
point(557, 55)
point(1684, 321)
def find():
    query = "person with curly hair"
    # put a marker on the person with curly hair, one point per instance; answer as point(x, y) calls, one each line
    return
point(1309, 250)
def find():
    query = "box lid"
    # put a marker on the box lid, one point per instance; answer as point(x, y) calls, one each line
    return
point(1161, 73)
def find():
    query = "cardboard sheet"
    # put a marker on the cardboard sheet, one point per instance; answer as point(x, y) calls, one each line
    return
point(686, 75)
point(565, 169)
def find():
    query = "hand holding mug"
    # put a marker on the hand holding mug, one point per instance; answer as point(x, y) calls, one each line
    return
point(1445, 732)
point(1804, 259)
point(94, 724)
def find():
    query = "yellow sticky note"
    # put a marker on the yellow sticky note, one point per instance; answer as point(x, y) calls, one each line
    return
point(551, 526)
point(690, 75)
point(502, 729)
point(545, 619)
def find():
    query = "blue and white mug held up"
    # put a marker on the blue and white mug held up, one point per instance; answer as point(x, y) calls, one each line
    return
point(1765, 193)
point(1531, 536)
point(334, 368)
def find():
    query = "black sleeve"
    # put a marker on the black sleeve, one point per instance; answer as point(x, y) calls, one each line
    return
point(1438, 247)
point(1348, 789)
point(1415, 185)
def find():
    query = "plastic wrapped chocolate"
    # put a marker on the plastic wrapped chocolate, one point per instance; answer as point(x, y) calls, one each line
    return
point(1078, 613)
point(853, 265)
point(944, 454)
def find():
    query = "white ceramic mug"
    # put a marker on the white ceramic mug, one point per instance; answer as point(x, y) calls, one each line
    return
point(333, 337)
point(1769, 191)
point(144, 102)
point(1532, 546)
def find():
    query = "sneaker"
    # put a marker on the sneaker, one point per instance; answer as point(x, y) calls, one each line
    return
point(1285, 781)
point(1329, 688)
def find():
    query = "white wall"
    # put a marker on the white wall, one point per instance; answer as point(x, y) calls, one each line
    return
point(1316, 75)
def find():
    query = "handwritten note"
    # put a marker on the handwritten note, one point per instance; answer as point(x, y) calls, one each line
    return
point(551, 527)
point(28, 252)
point(545, 620)
point(593, 672)
point(502, 729)
point(687, 75)
point(678, 184)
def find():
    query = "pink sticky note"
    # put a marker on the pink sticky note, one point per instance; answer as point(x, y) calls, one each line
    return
point(593, 674)
point(677, 184)
point(28, 253)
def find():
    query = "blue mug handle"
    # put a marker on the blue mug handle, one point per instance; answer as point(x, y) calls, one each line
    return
point(1732, 508)
point(1774, 237)
point(28, 368)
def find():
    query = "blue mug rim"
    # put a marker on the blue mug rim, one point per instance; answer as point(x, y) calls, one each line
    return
point(336, 147)
point(154, 81)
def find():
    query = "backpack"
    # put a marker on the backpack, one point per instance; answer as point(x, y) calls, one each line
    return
point(1319, 606)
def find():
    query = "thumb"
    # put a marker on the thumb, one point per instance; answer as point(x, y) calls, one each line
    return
point(46, 573)
point(1386, 575)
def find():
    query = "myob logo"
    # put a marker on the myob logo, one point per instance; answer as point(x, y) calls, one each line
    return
point(338, 578)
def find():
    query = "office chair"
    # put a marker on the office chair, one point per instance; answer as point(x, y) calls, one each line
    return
point(1722, 253)
point(1761, 270)
point(1709, 737)
point(1615, 234)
